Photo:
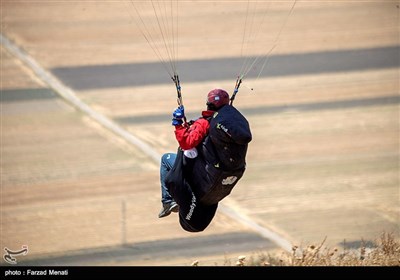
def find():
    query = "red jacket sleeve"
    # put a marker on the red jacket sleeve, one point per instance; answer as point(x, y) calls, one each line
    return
point(189, 138)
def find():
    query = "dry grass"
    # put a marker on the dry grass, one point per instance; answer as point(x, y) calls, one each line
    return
point(385, 252)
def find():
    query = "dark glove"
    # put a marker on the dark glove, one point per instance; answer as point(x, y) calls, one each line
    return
point(178, 115)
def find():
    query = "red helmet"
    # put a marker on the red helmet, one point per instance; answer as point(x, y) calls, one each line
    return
point(218, 98)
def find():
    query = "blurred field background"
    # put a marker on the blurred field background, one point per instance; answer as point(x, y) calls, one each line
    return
point(324, 160)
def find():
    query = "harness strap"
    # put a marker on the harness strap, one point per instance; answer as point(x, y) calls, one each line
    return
point(235, 91)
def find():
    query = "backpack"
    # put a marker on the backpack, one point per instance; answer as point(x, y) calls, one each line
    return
point(222, 156)
point(230, 133)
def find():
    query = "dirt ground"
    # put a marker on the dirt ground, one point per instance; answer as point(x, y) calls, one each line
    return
point(324, 160)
